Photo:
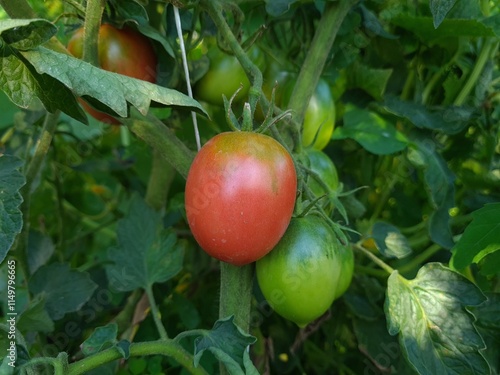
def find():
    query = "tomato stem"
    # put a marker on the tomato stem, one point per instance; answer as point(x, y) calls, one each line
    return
point(375, 259)
point(315, 60)
point(18, 9)
point(93, 16)
point(163, 140)
point(160, 347)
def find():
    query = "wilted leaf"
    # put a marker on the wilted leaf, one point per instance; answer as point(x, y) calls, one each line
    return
point(373, 132)
point(65, 289)
point(146, 252)
point(11, 221)
point(25, 34)
point(101, 337)
point(229, 345)
point(390, 241)
point(480, 238)
point(436, 332)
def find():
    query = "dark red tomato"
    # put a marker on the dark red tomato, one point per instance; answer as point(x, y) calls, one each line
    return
point(124, 51)
point(240, 195)
point(300, 276)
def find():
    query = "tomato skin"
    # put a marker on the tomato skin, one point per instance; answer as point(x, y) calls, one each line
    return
point(346, 270)
point(124, 51)
point(225, 76)
point(319, 117)
point(299, 276)
point(322, 165)
point(240, 195)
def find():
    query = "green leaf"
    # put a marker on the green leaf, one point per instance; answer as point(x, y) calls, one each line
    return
point(373, 132)
point(424, 28)
point(276, 8)
point(25, 86)
point(382, 349)
point(65, 290)
point(390, 241)
point(11, 221)
point(40, 249)
point(439, 10)
point(35, 318)
point(372, 81)
point(493, 22)
point(112, 89)
point(439, 181)
point(480, 238)
point(488, 325)
point(146, 252)
point(371, 22)
point(99, 339)
point(25, 34)
point(436, 332)
point(449, 120)
point(123, 347)
point(229, 345)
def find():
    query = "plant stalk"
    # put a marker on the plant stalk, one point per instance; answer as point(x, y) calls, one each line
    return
point(317, 55)
point(161, 347)
point(489, 46)
point(17, 9)
point(93, 16)
point(236, 293)
point(156, 313)
point(163, 141)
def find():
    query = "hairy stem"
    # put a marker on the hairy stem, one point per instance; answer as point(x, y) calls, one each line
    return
point(375, 259)
point(93, 16)
point(236, 293)
point(317, 55)
point(161, 347)
point(156, 313)
point(162, 140)
point(160, 179)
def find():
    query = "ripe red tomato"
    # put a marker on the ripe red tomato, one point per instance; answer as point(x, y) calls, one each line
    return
point(240, 195)
point(300, 277)
point(124, 51)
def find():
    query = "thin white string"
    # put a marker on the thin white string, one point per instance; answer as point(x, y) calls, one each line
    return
point(186, 72)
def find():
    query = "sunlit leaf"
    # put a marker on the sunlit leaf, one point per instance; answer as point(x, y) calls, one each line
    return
point(373, 132)
point(480, 238)
point(390, 241)
point(436, 332)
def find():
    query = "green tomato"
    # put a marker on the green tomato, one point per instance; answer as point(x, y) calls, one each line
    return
point(322, 165)
point(225, 76)
point(301, 275)
point(319, 118)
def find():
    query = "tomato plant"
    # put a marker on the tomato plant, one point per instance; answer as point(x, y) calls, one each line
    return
point(240, 195)
point(394, 216)
point(300, 276)
point(124, 51)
